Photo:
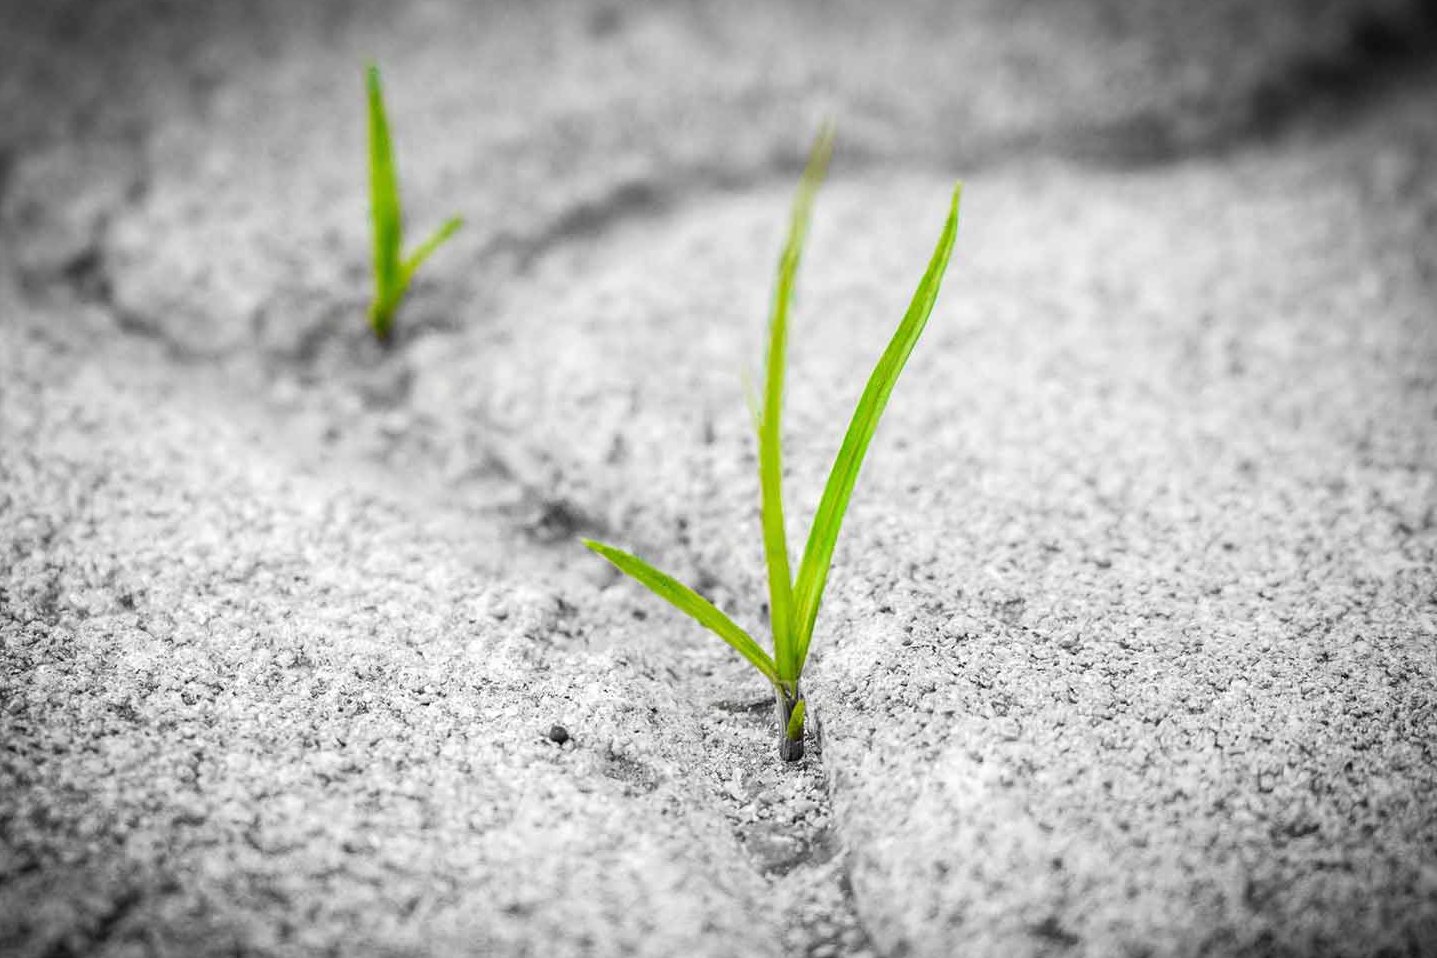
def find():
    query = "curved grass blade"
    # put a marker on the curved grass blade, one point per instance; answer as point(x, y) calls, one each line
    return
point(417, 258)
point(770, 438)
point(689, 601)
point(384, 209)
point(823, 536)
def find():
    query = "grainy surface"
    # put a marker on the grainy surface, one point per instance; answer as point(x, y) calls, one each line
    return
point(1131, 642)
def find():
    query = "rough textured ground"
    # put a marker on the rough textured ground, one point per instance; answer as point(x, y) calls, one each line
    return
point(1131, 642)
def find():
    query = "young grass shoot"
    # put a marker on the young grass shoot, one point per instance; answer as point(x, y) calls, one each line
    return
point(794, 600)
point(392, 271)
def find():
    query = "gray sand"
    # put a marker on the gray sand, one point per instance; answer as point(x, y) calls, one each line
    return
point(1130, 646)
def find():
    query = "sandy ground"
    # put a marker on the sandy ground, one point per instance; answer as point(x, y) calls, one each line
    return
point(1131, 642)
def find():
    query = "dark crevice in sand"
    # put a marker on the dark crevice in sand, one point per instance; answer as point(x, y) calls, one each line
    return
point(1383, 47)
point(1383, 50)
point(850, 904)
point(860, 941)
point(588, 219)
point(836, 925)
point(670, 192)
point(87, 277)
point(781, 815)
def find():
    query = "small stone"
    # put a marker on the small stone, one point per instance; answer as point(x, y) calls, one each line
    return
point(601, 575)
point(558, 734)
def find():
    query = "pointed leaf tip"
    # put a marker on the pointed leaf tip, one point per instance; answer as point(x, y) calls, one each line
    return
point(688, 601)
point(441, 235)
point(828, 520)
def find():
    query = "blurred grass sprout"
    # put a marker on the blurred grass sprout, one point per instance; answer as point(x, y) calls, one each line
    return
point(794, 602)
point(392, 272)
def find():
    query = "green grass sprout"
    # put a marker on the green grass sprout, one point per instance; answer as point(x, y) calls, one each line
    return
point(392, 272)
point(794, 600)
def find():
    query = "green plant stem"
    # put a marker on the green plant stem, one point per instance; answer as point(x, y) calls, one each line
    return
point(789, 710)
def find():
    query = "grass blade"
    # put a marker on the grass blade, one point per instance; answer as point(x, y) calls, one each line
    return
point(770, 438)
point(417, 258)
point(823, 536)
point(689, 601)
point(384, 208)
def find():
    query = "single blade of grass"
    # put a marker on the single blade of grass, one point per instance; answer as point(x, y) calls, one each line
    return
point(795, 722)
point(384, 207)
point(770, 436)
point(392, 272)
point(823, 536)
point(448, 229)
point(687, 600)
